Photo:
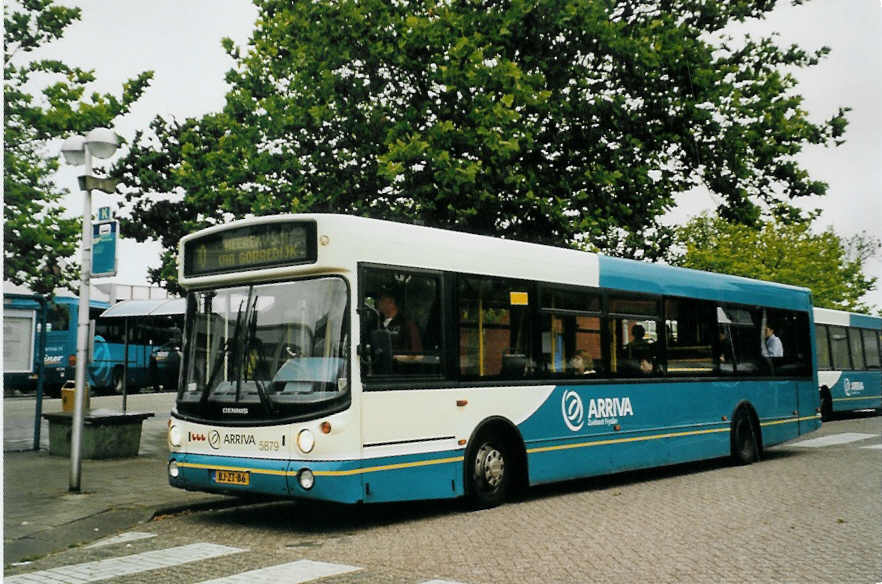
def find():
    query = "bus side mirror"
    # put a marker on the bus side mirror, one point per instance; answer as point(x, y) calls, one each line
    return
point(381, 352)
point(375, 349)
point(370, 320)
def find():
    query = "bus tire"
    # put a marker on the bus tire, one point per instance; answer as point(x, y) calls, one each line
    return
point(117, 380)
point(745, 437)
point(489, 470)
point(826, 404)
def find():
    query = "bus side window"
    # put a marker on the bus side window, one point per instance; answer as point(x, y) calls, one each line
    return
point(494, 327)
point(570, 333)
point(401, 323)
point(823, 346)
point(740, 333)
point(871, 348)
point(839, 346)
point(58, 317)
point(792, 328)
point(689, 326)
point(857, 349)
point(634, 337)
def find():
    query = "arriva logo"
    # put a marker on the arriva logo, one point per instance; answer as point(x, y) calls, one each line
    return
point(853, 387)
point(601, 411)
point(573, 410)
point(610, 408)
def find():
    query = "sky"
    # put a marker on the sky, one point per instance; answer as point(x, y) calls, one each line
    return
point(180, 41)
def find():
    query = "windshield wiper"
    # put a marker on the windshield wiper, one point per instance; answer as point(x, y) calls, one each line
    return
point(253, 344)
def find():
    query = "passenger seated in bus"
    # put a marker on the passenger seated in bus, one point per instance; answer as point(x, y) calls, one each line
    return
point(403, 332)
point(581, 363)
point(639, 353)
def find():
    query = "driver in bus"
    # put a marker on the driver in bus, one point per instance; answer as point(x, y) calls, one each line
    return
point(403, 332)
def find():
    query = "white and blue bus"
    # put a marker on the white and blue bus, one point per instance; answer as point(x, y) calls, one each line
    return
point(355, 360)
point(849, 374)
point(147, 337)
point(61, 341)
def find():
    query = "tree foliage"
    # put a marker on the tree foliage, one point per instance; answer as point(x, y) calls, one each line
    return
point(39, 242)
point(567, 122)
point(789, 253)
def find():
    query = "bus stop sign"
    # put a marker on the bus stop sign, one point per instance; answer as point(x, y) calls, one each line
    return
point(104, 236)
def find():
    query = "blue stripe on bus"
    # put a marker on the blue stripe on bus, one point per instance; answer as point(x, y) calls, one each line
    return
point(857, 390)
point(865, 321)
point(630, 275)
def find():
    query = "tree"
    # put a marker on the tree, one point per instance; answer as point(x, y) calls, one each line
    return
point(789, 253)
point(572, 123)
point(39, 242)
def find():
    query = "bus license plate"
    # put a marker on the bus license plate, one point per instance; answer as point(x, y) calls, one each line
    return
point(232, 477)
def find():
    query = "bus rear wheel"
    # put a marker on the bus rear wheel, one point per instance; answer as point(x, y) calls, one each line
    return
point(745, 442)
point(489, 472)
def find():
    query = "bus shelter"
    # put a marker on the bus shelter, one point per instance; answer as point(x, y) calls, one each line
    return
point(133, 313)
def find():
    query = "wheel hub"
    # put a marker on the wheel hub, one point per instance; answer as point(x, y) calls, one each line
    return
point(490, 466)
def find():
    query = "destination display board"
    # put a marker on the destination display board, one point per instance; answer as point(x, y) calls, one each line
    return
point(250, 248)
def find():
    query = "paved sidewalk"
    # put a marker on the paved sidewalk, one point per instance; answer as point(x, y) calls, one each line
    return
point(41, 516)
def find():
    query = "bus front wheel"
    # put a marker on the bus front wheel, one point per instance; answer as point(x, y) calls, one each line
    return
point(826, 404)
point(489, 471)
point(745, 438)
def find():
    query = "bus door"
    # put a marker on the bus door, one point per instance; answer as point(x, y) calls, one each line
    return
point(788, 350)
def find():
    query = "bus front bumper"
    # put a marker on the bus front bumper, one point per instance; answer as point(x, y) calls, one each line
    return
point(320, 480)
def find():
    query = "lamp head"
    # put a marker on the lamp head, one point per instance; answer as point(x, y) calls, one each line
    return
point(73, 149)
point(102, 143)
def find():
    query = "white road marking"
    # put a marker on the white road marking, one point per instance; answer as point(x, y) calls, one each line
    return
point(834, 440)
point(126, 537)
point(126, 565)
point(291, 573)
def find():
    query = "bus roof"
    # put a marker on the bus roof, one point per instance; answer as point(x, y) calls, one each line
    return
point(844, 318)
point(135, 308)
point(346, 240)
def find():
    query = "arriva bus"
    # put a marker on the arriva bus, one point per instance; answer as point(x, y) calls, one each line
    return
point(61, 342)
point(107, 347)
point(849, 374)
point(355, 360)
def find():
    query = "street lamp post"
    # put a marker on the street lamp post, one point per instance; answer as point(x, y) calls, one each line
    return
point(78, 150)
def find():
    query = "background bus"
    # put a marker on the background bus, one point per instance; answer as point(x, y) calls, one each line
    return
point(154, 332)
point(61, 341)
point(849, 374)
point(347, 359)
point(150, 354)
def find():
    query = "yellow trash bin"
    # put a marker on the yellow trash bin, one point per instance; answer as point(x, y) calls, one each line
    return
point(68, 393)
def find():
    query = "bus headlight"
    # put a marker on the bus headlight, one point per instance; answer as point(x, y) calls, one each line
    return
point(174, 436)
point(306, 479)
point(305, 441)
point(173, 470)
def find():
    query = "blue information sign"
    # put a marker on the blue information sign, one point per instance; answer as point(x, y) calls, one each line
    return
point(104, 235)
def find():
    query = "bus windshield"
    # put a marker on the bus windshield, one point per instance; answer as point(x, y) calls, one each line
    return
point(266, 352)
